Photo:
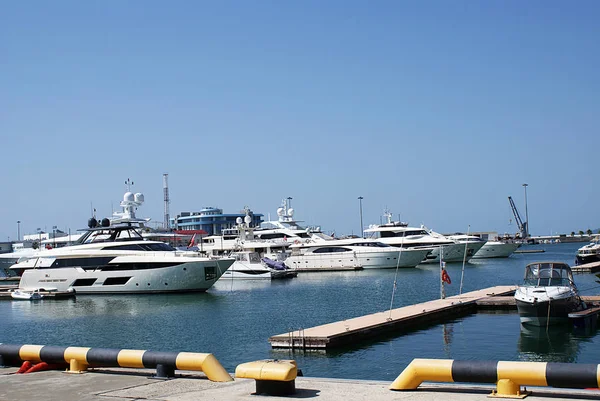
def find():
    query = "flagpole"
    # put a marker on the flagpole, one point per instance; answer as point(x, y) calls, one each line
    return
point(442, 289)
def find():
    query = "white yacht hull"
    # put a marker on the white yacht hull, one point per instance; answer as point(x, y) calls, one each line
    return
point(324, 262)
point(364, 259)
point(247, 271)
point(245, 275)
point(408, 258)
point(187, 276)
point(543, 306)
point(453, 253)
point(496, 249)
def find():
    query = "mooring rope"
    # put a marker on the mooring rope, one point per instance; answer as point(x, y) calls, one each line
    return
point(395, 279)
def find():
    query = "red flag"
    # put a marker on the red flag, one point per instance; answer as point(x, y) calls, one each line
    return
point(192, 241)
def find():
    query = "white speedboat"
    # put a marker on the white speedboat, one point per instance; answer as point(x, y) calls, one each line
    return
point(589, 253)
point(249, 266)
point(399, 234)
point(353, 253)
point(117, 259)
point(23, 295)
point(548, 294)
point(487, 249)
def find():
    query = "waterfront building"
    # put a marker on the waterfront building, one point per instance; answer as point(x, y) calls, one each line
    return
point(5, 247)
point(211, 220)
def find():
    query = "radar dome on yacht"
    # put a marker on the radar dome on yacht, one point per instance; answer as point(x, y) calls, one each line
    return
point(92, 222)
point(280, 211)
point(105, 222)
point(139, 197)
point(128, 197)
point(247, 219)
point(238, 220)
point(290, 212)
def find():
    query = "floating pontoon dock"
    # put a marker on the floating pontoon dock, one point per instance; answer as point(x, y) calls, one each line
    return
point(509, 303)
point(360, 328)
point(592, 267)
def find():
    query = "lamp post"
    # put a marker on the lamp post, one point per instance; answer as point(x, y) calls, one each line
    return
point(362, 235)
point(18, 230)
point(526, 213)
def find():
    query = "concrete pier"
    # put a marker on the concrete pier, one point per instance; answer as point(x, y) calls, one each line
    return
point(361, 328)
point(127, 384)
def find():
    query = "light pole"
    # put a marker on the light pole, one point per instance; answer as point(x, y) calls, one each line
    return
point(360, 198)
point(526, 213)
point(18, 230)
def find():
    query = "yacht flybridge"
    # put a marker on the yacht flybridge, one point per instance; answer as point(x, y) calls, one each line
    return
point(117, 259)
point(400, 235)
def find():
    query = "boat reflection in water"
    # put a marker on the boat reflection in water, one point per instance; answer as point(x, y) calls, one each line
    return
point(556, 344)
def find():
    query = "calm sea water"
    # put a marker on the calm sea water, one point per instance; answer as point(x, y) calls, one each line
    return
point(233, 320)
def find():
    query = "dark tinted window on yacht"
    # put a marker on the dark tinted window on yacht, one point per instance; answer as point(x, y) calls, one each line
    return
point(85, 263)
point(331, 249)
point(116, 280)
point(128, 247)
point(153, 247)
point(137, 266)
point(83, 282)
point(389, 234)
point(156, 247)
point(415, 232)
point(272, 236)
point(373, 244)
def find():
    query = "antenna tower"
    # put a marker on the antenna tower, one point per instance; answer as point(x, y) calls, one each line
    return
point(166, 193)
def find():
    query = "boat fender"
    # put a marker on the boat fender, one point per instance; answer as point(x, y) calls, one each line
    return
point(24, 367)
point(39, 367)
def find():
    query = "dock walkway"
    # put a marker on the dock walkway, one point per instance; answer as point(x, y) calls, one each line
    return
point(592, 267)
point(349, 331)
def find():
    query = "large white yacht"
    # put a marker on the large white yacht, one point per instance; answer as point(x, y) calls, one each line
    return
point(488, 249)
point(243, 237)
point(399, 234)
point(352, 253)
point(589, 253)
point(117, 259)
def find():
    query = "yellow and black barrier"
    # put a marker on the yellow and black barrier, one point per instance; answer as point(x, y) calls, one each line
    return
point(80, 358)
point(272, 376)
point(508, 376)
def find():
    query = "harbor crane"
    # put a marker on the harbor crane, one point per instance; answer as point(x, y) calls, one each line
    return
point(522, 225)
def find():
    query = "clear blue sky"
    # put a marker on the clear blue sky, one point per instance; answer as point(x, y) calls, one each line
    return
point(437, 110)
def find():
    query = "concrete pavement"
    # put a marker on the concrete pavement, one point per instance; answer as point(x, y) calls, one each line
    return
point(112, 384)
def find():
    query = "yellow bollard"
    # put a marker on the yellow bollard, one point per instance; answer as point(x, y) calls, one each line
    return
point(77, 367)
point(506, 388)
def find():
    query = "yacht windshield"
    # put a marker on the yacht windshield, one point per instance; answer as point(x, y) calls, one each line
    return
point(110, 234)
point(548, 274)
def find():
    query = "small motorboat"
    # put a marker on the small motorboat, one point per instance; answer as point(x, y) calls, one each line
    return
point(548, 294)
point(23, 295)
point(278, 268)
